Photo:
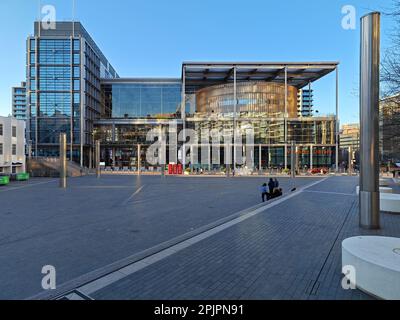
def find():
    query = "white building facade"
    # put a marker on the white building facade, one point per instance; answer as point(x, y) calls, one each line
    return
point(12, 146)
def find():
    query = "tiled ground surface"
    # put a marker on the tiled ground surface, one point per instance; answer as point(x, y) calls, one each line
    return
point(95, 222)
point(291, 251)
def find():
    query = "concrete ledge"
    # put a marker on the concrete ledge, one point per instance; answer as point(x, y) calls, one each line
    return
point(377, 264)
point(381, 190)
point(383, 182)
point(390, 202)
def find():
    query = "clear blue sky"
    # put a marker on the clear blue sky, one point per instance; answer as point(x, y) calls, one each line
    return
point(152, 38)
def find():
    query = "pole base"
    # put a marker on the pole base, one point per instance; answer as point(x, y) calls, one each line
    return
point(369, 210)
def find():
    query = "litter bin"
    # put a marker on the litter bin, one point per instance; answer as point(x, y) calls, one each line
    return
point(4, 180)
point(23, 176)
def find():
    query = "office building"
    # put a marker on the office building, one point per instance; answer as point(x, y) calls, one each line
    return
point(72, 88)
point(12, 145)
point(64, 68)
point(350, 136)
point(219, 96)
point(19, 105)
point(305, 103)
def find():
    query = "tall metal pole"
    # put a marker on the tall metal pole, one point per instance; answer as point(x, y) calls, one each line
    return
point(286, 115)
point(234, 119)
point(63, 160)
point(138, 158)
point(163, 151)
point(337, 122)
point(350, 160)
point(98, 158)
point(369, 121)
point(293, 159)
point(183, 117)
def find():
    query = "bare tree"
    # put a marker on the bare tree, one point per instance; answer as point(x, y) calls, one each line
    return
point(390, 87)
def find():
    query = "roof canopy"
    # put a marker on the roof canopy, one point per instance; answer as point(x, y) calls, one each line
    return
point(202, 74)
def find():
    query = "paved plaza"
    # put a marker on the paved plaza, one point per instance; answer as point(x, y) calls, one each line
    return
point(289, 248)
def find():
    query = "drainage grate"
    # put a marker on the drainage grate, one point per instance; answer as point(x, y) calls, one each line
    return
point(75, 295)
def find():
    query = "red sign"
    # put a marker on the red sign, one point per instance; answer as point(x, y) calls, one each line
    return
point(175, 169)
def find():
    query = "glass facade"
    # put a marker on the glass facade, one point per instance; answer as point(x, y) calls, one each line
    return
point(141, 100)
point(253, 98)
point(135, 106)
point(64, 67)
point(51, 92)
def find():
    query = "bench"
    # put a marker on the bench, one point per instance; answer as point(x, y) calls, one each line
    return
point(377, 264)
point(390, 202)
point(383, 182)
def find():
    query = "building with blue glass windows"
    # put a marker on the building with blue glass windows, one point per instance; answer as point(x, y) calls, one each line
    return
point(72, 88)
point(19, 107)
point(218, 96)
point(64, 68)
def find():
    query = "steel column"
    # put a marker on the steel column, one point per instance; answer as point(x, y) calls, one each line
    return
point(293, 160)
point(369, 121)
point(63, 160)
point(286, 116)
point(337, 121)
point(183, 116)
point(97, 158)
point(139, 158)
point(350, 160)
point(234, 118)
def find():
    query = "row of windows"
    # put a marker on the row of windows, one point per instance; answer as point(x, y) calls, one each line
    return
point(55, 103)
point(13, 149)
point(58, 85)
point(54, 44)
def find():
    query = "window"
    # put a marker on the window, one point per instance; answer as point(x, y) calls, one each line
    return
point(77, 72)
point(14, 131)
point(77, 85)
point(77, 44)
point(77, 58)
point(1, 149)
point(1, 129)
point(32, 44)
point(33, 72)
point(14, 149)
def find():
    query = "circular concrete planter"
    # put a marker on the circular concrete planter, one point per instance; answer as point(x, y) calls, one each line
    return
point(377, 264)
point(381, 190)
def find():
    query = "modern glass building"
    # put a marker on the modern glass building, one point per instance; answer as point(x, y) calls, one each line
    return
point(141, 98)
point(19, 105)
point(218, 96)
point(72, 88)
point(64, 68)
